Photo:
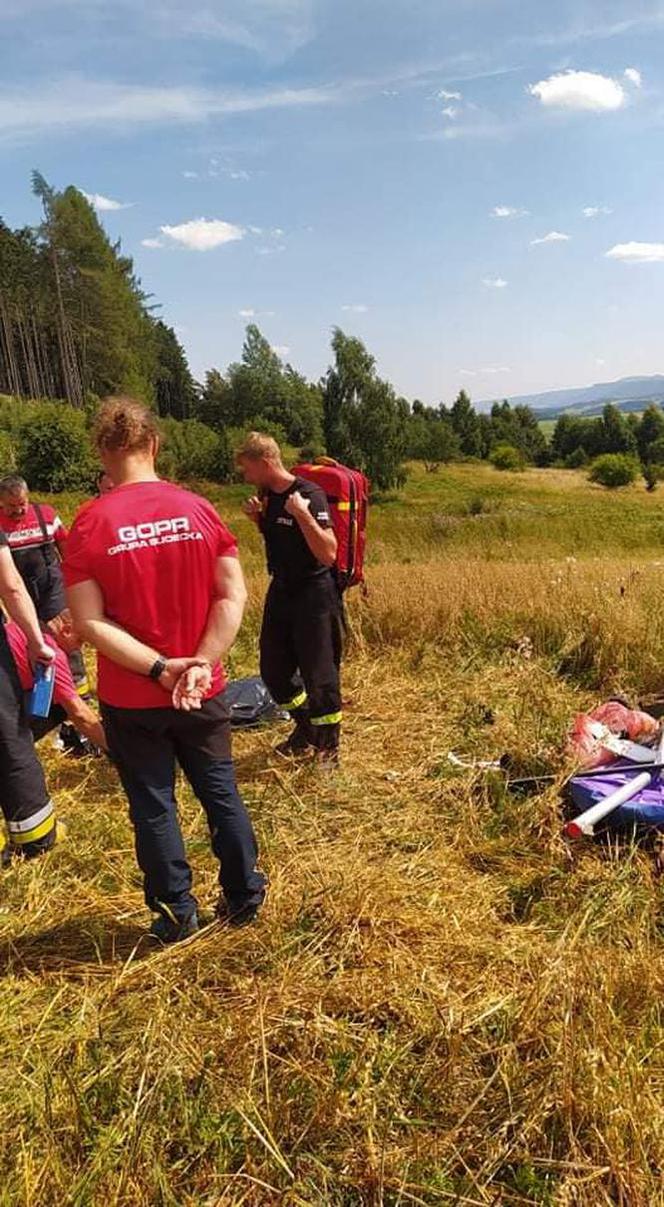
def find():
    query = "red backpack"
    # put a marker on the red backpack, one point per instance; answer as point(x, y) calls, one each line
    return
point(347, 492)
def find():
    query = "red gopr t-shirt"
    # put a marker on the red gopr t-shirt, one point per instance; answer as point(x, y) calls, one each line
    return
point(152, 548)
point(64, 688)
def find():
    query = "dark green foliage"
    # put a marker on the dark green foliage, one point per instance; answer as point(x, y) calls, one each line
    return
point(614, 469)
point(365, 423)
point(576, 459)
point(259, 392)
point(507, 457)
point(652, 475)
point(54, 450)
point(174, 387)
point(466, 426)
point(193, 451)
point(518, 426)
point(74, 320)
point(431, 439)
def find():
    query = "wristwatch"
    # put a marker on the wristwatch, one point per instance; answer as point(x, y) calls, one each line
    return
point(157, 669)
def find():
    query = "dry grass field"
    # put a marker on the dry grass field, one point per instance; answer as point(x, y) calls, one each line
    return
point(443, 1002)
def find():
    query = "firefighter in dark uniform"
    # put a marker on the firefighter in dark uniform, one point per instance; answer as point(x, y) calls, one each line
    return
point(301, 635)
point(24, 799)
point(37, 540)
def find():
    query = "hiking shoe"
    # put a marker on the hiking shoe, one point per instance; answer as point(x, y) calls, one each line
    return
point(173, 930)
point(239, 914)
point(297, 744)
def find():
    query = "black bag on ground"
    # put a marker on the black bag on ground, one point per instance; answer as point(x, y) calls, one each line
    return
point(250, 704)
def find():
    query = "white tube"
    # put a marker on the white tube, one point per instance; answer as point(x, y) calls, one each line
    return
point(585, 823)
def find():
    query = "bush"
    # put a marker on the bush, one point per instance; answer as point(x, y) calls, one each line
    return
point(652, 475)
point(54, 450)
point(192, 450)
point(506, 457)
point(614, 469)
point(576, 459)
point(7, 453)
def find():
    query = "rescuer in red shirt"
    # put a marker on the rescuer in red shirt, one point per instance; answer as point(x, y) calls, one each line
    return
point(67, 704)
point(154, 584)
point(37, 539)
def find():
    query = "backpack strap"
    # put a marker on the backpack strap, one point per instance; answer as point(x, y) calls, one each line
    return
point(49, 546)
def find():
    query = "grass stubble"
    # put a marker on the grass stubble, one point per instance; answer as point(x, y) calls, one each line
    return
point(443, 1002)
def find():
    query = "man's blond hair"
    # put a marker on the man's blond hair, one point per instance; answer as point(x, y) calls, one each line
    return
point(259, 447)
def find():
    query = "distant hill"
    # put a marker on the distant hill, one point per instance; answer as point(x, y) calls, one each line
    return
point(629, 394)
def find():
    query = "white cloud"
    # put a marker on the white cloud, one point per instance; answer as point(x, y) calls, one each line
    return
point(238, 174)
point(488, 371)
point(190, 175)
point(634, 76)
point(247, 314)
point(494, 282)
point(78, 104)
point(552, 237)
point(450, 111)
point(508, 211)
point(106, 204)
point(637, 253)
point(357, 308)
point(580, 90)
point(274, 250)
point(151, 243)
point(600, 361)
point(203, 234)
point(594, 211)
point(280, 350)
point(444, 95)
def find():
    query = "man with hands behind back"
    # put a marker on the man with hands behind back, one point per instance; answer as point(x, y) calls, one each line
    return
point(155, 585)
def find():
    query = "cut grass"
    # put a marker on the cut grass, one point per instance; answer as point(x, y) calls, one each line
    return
point(443, 1003)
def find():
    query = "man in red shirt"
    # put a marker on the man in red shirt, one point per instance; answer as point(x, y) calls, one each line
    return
point(67, 704)
point(155, 586)
point(37, 539)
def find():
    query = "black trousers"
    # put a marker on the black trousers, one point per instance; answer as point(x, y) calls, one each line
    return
point(146, 744)
point(24, 800)
point(301, 644)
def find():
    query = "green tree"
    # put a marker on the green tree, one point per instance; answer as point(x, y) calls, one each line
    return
point(174, 387)
point(365, 423)
point(258, 391)
point(193, 451)
point(650, 431)
point(74, 320)
point(466, 425)
point(518, 426)
point(615, 434)
point(431, 440)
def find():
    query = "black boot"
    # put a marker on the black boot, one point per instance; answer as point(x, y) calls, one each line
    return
point(299, 742)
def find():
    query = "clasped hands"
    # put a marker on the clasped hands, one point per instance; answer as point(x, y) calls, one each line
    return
point(187, 680)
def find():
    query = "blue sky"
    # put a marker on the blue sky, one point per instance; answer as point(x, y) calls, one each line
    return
point(415, 171)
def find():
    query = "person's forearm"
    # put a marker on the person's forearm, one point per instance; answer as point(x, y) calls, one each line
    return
point(223, 624)
point(321, 541)
point(86, 721)
point(114, 643)
point(22, 610)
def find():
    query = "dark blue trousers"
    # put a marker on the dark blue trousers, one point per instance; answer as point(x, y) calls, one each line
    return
point(147, 744)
